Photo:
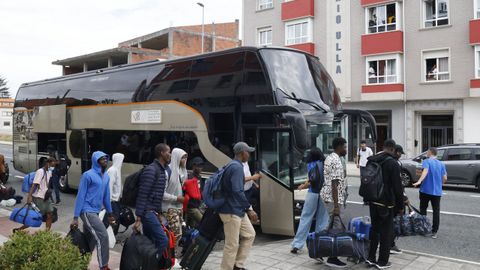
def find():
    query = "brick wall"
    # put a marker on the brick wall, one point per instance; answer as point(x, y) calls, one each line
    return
point(230, 30)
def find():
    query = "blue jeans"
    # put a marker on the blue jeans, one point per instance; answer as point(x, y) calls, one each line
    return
point(55, 179)
point(153, 230)
point(312, 208)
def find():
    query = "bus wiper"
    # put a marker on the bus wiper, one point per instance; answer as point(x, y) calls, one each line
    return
point(301, 100)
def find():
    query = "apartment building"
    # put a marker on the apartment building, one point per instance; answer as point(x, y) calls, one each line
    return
point(414, 64)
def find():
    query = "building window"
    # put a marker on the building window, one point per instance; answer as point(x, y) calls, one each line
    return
point(436, 12)
point(297, 32)
point(6, 123)
point(265, 4)
point(382, 71)
point(382, 18)
point(437, 65)
point(477, 62)
point(264, 36)
point(477, 9)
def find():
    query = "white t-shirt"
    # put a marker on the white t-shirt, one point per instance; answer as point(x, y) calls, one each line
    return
point(364, 155)
point(246, 171)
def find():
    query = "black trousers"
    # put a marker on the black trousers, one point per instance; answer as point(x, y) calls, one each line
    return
point(435, 200)
point(380, 233)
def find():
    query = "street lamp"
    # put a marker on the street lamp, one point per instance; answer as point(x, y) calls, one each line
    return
point(203, 24)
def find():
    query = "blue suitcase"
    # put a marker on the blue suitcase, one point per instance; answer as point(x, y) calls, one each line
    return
point(360, 225)
point(27, 215)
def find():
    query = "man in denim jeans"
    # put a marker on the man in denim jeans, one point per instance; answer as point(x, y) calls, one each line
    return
point(150, 195)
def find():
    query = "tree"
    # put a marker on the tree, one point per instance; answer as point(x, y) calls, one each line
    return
point(4, 93)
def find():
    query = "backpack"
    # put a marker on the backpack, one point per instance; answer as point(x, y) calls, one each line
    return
point(130, 189)
point(28, 182)
point(371, 182)
point(315, 175)
point(167, 260)
point(63, 165)
point(212, 192)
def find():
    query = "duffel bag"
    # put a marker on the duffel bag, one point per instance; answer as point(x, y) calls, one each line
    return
point(421, 224)
point(331, 242)
point(27, 216)
point(79, 240)
point(402, 225)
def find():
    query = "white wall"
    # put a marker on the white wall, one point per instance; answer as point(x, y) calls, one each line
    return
point(471, 112)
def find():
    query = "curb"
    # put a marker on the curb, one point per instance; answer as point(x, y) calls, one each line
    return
point(411, 252)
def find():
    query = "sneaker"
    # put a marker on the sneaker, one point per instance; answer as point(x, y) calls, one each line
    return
point(294, 250)
point(434, 235)
point(336, 263)
point(57, 202)
point(371, 263)
point(395, 250)
point(238, 268)
point(320, 260)
point(177, 265)
point(384, 266)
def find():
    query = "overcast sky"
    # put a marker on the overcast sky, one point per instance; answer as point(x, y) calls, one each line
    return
point(33, 33)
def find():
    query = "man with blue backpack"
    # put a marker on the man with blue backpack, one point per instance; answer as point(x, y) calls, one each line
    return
point(236, 211)
point(313, 206)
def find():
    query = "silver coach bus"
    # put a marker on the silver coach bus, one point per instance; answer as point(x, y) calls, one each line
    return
point(280, 100)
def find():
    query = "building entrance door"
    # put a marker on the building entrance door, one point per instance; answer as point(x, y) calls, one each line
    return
point(437, 130)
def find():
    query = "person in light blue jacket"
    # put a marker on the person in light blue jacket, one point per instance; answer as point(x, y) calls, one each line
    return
point(94, 194)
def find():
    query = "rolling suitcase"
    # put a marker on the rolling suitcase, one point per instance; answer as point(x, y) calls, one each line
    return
point(360, 225)
point(197, 253)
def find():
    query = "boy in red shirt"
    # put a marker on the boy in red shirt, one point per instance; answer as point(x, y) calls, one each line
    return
point(193, 196)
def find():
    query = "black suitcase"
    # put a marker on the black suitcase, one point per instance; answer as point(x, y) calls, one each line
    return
point(211, 226)
point(197, 253)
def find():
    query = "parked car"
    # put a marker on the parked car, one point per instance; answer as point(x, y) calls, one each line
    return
point(462, 162)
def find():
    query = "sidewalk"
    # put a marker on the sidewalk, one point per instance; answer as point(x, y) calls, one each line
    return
point(276, 255)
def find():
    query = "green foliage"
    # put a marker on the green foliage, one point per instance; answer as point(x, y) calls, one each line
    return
point(4, 93)
point(40, 251)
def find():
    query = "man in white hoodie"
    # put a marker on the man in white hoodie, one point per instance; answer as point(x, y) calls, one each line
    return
point(173, 197)
point(115, 174)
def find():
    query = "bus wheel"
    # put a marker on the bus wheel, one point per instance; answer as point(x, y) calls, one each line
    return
point(63, 183)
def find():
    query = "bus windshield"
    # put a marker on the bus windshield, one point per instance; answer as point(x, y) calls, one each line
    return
point(292, 76)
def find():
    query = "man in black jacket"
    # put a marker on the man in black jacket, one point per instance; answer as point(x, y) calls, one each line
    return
point(383, 211)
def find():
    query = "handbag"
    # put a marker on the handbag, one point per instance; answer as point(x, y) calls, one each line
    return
point(331, 242)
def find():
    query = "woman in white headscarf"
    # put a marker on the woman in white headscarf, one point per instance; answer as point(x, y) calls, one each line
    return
point(173, 196)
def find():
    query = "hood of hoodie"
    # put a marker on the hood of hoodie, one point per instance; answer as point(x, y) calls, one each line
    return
point(117, 160)
point(95, 157)
point(380, 157)
point(177, 171)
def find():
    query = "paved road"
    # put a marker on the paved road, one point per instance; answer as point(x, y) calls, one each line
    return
point(459, 234)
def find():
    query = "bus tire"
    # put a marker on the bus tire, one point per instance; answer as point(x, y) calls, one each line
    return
point(63, 184)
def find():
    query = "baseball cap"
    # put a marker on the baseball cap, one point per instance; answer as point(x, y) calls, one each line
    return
point(196, 161)
point(399, 148)
point(242, 146)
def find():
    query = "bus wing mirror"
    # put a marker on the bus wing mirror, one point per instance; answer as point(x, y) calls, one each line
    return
point(368, 117)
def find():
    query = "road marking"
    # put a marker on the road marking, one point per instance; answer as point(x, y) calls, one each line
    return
point(430, 211)
point(475, 196)
point(440, 257)
point(18, 176)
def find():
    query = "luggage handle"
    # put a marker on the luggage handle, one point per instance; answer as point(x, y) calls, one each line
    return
point(332, 220)
point(414, 209)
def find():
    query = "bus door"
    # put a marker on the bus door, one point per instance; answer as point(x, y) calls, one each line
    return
point(276, 187)
point(93, 141)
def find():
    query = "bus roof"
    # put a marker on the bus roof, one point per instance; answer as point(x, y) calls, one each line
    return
point(151, 63)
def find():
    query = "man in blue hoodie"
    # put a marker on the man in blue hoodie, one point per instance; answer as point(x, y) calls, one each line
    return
point(93, 193)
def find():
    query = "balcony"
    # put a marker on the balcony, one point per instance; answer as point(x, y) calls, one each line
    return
point(475, 32)
point(297, 9)
point(381, 43)
point(382, 92)
point(306, 47)
point(475, 88)
point(373, 2)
